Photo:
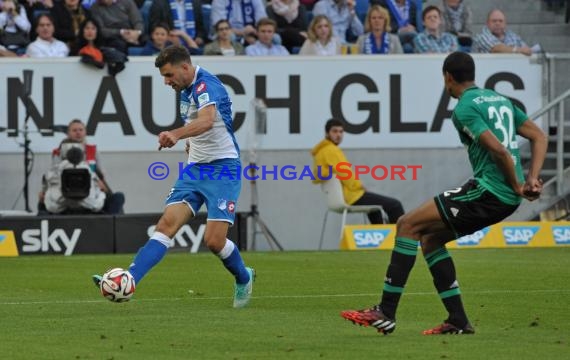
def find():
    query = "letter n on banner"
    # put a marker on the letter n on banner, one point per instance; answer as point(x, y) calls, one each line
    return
point(8, 244)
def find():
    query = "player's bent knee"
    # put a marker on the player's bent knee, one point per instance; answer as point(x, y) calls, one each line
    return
point(214, 242)
point(404, 226)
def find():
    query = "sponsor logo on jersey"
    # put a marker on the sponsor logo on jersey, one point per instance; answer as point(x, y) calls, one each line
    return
point(561, 235)
point(203, 99)
point(473, 239)
point(519, 235)
point(365, 239)
point(231, 207)
point(201, 87)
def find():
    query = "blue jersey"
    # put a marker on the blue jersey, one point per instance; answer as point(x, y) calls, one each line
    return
point(219, 142)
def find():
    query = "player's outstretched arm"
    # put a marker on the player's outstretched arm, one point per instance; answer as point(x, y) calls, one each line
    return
point(538, 145)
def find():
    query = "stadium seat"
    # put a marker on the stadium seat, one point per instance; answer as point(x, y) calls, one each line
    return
point(335, 202)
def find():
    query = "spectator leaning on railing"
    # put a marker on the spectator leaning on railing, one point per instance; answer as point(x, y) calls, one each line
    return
point(496, 38)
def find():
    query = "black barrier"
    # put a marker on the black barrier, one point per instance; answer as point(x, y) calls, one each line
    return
point(105, 234)
point(66, 235)
point(132, 232)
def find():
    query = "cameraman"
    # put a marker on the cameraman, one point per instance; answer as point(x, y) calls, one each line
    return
point(76, 132)
point(73, 157)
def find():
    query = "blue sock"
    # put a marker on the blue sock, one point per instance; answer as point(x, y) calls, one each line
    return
point(149, 255)
point(233, 262)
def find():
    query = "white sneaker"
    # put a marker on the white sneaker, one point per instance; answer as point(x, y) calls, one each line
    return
point(242, 293)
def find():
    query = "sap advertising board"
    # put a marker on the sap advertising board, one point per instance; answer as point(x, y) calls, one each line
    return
point(389, 101)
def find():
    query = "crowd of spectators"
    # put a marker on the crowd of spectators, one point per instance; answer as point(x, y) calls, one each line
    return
point(54, 28)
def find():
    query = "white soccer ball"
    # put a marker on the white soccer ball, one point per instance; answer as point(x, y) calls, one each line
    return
point(117, 285)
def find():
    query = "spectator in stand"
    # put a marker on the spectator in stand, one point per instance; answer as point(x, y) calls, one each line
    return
point(121, 23)
point(158, 39)
point(243, 16)
point(291, 19)
point(403, 20)
point(14, 26)
point(496, 38)
point(68, 16)
point(432, 40)
point(456, 17)
point(184, 15)
point(223, 44)
point(46, 45)
point(343, 17)
point(161, 37)
point(321, 40)
point(264, 46)
point(88, 44)
point(378, 39)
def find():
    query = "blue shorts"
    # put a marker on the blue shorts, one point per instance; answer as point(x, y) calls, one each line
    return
point(217, 184)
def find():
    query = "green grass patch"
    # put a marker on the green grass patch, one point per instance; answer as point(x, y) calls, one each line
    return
point(517, 299)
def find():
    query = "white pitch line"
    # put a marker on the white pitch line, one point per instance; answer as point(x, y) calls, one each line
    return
point(315, 296)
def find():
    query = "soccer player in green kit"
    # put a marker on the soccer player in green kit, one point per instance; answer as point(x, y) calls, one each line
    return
point(487, 123)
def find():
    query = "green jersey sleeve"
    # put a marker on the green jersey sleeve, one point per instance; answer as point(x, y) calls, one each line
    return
point(470, 121)
point(520, 117)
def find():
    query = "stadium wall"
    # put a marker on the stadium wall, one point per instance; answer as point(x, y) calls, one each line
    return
point(395, 106)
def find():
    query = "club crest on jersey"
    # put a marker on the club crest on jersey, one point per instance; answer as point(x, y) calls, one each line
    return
point(222, 204)
point(201, 87)
point(184, 106)
point(231, 207)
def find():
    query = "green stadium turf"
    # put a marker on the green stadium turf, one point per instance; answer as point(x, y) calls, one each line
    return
point(517, 299)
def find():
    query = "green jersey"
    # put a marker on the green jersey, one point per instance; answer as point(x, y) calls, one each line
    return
point(480, 110)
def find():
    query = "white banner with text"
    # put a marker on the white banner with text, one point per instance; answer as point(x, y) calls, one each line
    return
point(395, 101)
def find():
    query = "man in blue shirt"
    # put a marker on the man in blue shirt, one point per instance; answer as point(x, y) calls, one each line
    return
point(211, 177)
point(432, 40)
point(264, 46)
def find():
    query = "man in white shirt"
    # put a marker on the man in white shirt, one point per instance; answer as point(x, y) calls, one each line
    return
point(46, 45)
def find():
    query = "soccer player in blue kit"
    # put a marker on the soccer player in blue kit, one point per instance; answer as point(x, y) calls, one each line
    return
point(206, 108)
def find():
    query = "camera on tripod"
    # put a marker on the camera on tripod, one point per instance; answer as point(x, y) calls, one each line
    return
point(75, 182)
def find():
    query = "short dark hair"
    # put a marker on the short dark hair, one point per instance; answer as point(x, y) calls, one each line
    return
point(159, 25)
point(267, 21)
point(220, 22)
point(428, 9)
point(460, 66)
point(43, 15)
point(331, 123)
point(174, 55)
point(75, 121)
